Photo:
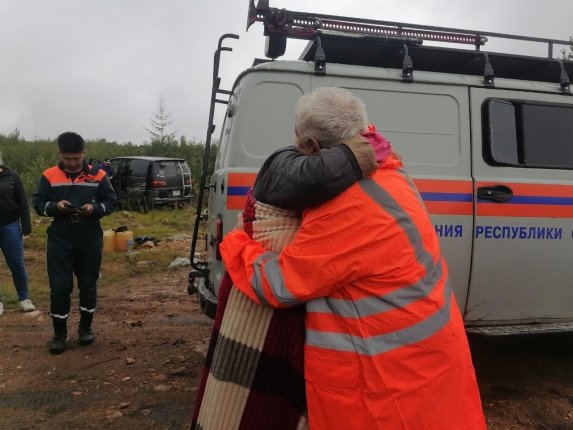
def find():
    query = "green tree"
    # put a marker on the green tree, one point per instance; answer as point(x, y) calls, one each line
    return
point(30, 173)
point(31, 158)
point(15, 136)
point(159, 126)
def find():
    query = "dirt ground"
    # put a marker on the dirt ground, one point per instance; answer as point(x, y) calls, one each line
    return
point(142, 371)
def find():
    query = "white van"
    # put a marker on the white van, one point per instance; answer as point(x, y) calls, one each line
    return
point(488, 140)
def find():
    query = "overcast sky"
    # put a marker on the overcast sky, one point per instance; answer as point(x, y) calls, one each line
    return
point(99, 67)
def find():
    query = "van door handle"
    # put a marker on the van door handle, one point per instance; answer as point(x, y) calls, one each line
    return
point(497, 193)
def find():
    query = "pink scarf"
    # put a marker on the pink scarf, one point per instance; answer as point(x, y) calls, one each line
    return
point(381, 145)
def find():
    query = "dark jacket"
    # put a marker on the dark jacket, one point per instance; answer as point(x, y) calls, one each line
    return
point(90, 186)
point(13, 201)
point(291, 179)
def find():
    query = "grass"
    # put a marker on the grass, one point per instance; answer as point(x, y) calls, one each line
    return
point(116, 267)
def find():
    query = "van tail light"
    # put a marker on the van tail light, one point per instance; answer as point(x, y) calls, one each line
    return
point(188, 181)
point(158, 183)
point(219, 235)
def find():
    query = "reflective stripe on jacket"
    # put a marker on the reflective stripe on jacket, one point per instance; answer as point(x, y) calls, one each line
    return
point(385, 342)
point(90, 186)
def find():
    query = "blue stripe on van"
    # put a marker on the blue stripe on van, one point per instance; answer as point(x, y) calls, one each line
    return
point(537, 200)
point(431, 197)
point(517, 200)
point(446, 197)
point(237, 191)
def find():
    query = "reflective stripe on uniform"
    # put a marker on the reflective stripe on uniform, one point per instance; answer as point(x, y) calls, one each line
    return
point(90, 311)
point(61, 317)
point(370, 306)
point(395, 300)
point(269, 264)
point(75, 184)
point(257, 279)
point(386, 342)
point(387, 202)
point(412, 187)
point(403, 296)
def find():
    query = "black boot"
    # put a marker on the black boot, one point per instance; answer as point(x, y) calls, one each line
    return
point(58, 343)
point(85, 333)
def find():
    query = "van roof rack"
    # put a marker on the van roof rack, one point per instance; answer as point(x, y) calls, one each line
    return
point(306, 25)
point(370, 42)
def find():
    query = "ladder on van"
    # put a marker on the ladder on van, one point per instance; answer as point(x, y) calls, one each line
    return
point(200, 266)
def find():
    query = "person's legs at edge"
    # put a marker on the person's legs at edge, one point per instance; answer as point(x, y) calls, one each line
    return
point(12, 246)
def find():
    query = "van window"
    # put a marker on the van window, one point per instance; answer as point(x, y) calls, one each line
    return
point(502, 131)
point(269, 108)
point(528, 134)
point(223, 141)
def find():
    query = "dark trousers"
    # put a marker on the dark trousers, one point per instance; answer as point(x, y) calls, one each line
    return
point(73, 249)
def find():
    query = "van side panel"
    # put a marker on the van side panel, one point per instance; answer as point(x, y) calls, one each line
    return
point(262, 121)
point(428, 126)
point(264, 117)
point(523, 247)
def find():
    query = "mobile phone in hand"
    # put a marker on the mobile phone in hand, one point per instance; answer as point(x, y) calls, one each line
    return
point(70, 206)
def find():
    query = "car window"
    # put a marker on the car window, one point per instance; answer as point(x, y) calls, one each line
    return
point(167, 168)
point(116, 164)
point(138, 167)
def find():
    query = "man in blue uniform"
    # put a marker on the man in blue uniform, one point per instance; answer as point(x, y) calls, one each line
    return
point(76, 195)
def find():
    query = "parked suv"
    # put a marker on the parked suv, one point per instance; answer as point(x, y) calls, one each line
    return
point(147, 182)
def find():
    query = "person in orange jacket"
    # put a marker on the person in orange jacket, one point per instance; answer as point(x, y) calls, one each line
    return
point(385, 342)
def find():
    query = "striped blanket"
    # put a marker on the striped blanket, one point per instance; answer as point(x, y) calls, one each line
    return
point(254, 372)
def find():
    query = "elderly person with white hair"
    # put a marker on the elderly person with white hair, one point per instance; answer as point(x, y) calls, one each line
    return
point(255, 361)
point(385, 346)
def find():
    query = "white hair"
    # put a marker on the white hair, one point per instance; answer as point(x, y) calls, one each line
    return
point(330, 115)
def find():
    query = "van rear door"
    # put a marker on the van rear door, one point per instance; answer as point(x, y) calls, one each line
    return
point(522, 265)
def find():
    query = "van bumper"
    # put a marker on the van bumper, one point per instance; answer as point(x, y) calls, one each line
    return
point(207, 300)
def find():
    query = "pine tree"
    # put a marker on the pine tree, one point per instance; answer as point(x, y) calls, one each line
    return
point(159, 126)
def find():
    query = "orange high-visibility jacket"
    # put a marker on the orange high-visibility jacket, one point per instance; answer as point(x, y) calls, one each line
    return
point(385, 341)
